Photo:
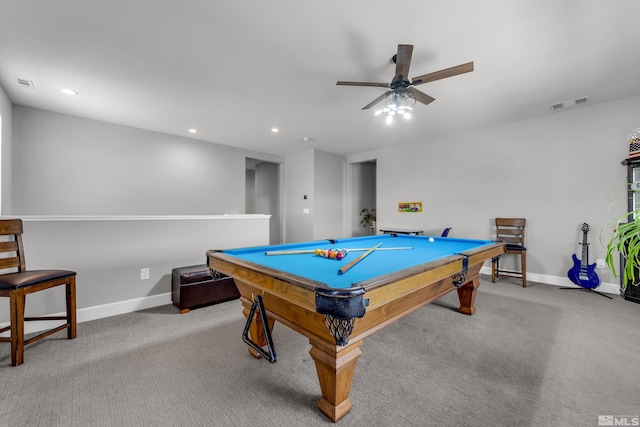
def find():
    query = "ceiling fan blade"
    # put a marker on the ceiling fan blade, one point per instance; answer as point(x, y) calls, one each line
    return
point(443, 74)
point(362, 84)
point(421, 96)
point(378, 99)
point(403, 60)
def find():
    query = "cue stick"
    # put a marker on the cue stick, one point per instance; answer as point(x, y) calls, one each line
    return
point(357, 260)
point(311, 251)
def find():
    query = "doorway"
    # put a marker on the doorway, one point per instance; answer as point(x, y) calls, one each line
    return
point(363, 190)
point(262, 193)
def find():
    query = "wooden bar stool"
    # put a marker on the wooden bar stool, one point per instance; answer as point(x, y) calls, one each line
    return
point(511, 231)
point(19, 282)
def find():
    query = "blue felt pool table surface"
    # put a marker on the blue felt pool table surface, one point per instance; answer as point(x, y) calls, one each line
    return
point(377, 263)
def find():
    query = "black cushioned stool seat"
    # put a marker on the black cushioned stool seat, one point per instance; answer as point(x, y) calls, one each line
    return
point(197, 285)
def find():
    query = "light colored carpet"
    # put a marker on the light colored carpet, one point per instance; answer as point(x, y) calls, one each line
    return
point(539, 356)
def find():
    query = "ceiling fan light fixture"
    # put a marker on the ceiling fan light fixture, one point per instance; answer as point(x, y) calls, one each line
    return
point(401, 93)
point(397, 103)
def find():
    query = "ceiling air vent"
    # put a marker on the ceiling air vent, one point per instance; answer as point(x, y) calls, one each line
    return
point(569, 103)
point(28, 84)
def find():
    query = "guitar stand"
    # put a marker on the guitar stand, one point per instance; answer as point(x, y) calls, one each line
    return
point(590, 290)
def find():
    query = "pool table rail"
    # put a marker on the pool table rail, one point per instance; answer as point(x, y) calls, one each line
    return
point(386, 296)
point(293, 288)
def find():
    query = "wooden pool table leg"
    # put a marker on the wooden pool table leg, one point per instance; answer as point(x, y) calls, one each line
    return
point(256, 330)
point(335, 373)
point(467, 296)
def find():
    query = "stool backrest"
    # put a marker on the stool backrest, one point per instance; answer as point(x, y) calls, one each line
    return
point(510, 230)
point(11, 249)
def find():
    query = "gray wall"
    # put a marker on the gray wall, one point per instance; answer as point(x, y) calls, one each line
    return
point(558, 171)
point(298, 183)
point(6, 112)
point(70, 165)
point(108, 253)
point(329, 191)
point(321, 177)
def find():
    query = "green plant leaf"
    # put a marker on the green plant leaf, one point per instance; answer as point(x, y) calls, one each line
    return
point(625, 241)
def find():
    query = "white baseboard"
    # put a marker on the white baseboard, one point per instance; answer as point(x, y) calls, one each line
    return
point(128, 306)
point(98, 312)
point(608, 288)
point(122, 307)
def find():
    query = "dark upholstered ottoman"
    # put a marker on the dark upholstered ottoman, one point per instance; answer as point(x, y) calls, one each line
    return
point(196, 285)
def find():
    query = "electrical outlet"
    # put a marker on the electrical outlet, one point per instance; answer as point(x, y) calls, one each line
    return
point(144, 274)
point(600, 263)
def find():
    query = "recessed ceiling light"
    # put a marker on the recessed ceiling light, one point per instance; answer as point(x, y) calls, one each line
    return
point(193, 130)
point(275, 130)
point(69, 92)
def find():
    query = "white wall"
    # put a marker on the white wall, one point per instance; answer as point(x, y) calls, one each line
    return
point(558, 171)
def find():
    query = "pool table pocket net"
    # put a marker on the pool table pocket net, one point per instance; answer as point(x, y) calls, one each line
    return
point(340, 307)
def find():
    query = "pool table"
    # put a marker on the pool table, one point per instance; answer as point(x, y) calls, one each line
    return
point(337, 311)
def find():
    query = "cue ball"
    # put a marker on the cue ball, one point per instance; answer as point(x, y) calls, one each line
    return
point(431, 240)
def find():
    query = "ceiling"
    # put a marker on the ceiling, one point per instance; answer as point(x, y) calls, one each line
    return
point(235, 69)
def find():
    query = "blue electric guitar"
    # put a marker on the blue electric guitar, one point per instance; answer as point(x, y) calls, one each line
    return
point(583, 274)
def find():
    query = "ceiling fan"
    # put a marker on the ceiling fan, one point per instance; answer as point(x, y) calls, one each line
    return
point(401, 87)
